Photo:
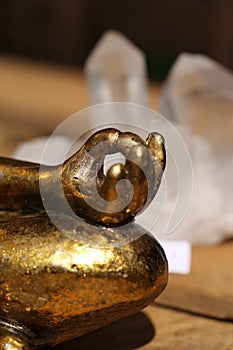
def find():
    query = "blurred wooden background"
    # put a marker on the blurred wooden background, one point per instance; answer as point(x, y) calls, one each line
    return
point(65, 31)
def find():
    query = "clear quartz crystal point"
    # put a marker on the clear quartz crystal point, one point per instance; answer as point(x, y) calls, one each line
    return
point(116, 71)
point(198, 95)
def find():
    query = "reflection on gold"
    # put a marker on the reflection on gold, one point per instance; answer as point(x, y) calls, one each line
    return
point(57, 284)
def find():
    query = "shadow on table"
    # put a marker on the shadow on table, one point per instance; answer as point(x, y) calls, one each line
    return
point(129, 333)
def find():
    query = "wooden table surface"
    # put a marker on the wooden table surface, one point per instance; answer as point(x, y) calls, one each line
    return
point(195, 311)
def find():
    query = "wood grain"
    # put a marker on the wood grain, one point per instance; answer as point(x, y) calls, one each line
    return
point(158, 329)
point(41, 95)
point(208, 289)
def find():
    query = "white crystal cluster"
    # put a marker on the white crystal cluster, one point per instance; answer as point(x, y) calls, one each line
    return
point(198, 95)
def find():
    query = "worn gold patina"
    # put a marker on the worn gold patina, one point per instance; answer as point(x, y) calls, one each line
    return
point(82, 176)
point(59, 284)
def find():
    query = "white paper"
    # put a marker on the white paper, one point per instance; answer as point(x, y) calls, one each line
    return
point(179, 254)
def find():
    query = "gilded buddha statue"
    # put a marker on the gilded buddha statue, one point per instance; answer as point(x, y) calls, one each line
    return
point(65, 275)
